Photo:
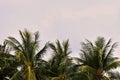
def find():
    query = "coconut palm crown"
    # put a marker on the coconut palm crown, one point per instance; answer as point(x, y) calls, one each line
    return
point(97, 59)
point(59, 65)
point(28, 54)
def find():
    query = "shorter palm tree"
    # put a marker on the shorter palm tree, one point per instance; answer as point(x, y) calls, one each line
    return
point(8, 64)
point(97, 59)
point(60, 64)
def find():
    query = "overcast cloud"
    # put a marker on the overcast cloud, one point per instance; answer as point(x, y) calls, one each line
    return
point(62, 19)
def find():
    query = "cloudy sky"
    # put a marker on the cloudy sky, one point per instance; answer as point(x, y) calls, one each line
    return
point(62, 19)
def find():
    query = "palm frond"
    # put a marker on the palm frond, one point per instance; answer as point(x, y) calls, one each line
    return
point(16, 76)
point(109, 54)
point(41, 52)
point(59, 47)
point(66, 47)
point(100, 42)
point(12, 44)
point(53, 47)
point(112, 65)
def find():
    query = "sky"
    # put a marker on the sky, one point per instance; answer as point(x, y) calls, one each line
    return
point(75, 20)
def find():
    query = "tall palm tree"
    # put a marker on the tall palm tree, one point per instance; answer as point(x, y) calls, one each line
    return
point(97, 59)
point(60, 64)
point(28, 55)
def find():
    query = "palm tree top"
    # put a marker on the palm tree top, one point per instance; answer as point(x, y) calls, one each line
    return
point(98, 57)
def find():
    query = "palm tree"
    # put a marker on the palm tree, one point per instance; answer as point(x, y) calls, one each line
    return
point(97, 59)
point(8, 64)
point(59, 66)
point(28, 55)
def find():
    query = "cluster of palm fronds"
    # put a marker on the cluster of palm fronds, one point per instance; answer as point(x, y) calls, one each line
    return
point(22, 60)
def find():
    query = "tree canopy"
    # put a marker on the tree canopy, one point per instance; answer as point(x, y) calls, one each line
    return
point(23, 59)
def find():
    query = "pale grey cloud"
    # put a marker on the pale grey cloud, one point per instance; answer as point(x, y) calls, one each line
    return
point(76, 20)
